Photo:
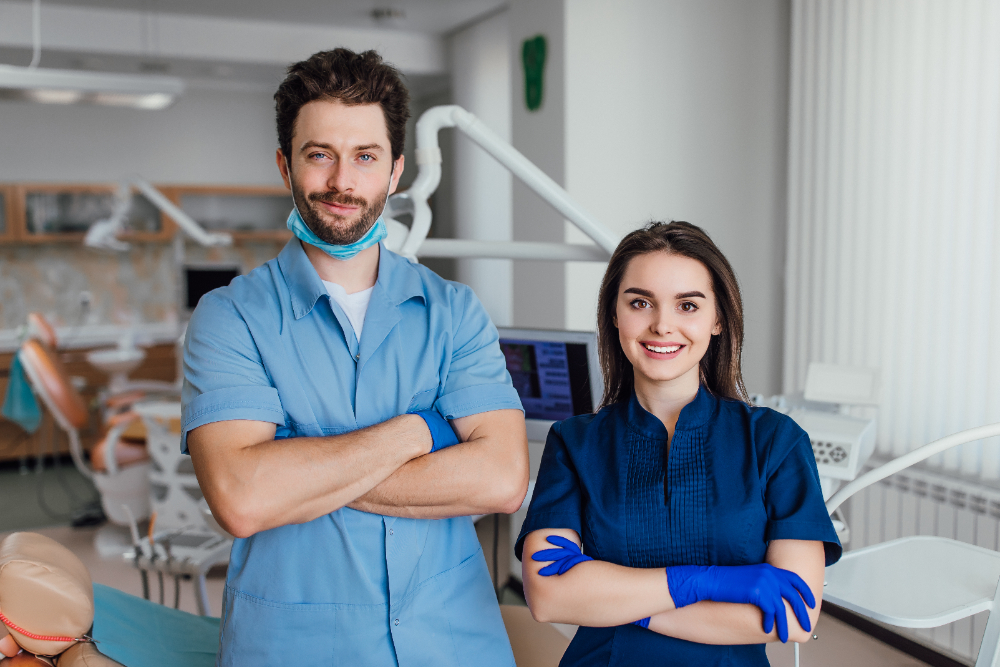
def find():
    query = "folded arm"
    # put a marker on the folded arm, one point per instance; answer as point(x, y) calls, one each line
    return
point(253, 482)
point(723, 623)
point(486, 472)
point(598, 594)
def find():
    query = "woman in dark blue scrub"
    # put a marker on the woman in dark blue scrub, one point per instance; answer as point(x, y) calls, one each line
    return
point(700, 517)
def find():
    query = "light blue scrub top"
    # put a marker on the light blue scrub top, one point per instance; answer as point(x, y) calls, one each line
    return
point(350, 588)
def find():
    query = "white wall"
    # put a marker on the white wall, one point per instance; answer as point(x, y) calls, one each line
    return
point(480, 74)
point(677, 109)
point(539, 287)
point(206, 137)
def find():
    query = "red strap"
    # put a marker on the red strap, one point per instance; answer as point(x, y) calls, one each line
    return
point(6, 621)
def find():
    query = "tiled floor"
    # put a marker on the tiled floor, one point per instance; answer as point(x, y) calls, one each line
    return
point(837, 645)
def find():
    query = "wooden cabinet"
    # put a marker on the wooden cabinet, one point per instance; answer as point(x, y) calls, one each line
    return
point(47, 212)
point(8, 214)
point(248, 213)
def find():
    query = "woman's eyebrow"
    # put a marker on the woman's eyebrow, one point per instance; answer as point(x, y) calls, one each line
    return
point(638, 290)
point(688, 295)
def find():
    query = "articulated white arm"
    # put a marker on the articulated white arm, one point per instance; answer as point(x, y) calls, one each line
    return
point(906, 460)
point(183, 220)
point(429, 177)
point(103, 234)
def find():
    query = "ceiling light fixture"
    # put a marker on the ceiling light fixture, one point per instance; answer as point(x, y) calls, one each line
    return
point(55, 86)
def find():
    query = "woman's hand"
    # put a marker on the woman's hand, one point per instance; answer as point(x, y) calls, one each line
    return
point(762, 585)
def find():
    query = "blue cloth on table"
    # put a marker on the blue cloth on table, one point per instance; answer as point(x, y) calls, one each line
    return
point(20, 405)
point(350, 587)
point(140, 633)
point(734, 478)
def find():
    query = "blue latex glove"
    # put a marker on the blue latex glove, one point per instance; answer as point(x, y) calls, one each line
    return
point(761, 585)
point(563, 559)
point(566, 556)
point(442, 434)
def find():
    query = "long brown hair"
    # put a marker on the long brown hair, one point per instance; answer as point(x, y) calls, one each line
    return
point(720, 367)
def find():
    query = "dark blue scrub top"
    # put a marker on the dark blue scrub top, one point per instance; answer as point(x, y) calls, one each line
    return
point(736, 477)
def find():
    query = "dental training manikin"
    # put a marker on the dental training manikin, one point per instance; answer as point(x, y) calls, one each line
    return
point(679, 525)
point(46, 605)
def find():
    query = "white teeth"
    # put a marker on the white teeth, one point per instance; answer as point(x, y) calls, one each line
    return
point(663, 350)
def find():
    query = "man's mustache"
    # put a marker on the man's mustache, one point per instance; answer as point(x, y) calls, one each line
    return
point(338, 198)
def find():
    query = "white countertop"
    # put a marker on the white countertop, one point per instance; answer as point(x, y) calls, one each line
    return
point(101, 335)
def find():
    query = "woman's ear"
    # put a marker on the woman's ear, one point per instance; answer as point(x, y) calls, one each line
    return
point(717, 329)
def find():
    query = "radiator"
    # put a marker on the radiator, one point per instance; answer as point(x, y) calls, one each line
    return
point(926, 502)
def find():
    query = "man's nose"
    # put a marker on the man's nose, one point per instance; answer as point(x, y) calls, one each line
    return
point(341, 178)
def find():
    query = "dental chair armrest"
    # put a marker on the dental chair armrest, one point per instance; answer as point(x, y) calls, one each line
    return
point(906, 460)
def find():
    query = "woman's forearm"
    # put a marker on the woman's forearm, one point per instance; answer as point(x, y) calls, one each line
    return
point(594, 593)
point(723, 623)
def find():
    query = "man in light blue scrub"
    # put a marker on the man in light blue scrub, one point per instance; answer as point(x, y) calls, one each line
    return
point(317, 390)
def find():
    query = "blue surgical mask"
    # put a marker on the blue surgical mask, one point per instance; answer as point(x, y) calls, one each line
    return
point(377, 232)
point(298, 226)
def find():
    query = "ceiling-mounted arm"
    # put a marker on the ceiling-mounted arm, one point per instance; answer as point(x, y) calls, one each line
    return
point(104, 233)
point(428, 156)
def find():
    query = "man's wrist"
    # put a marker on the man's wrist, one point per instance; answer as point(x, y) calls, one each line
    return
point(419, 434)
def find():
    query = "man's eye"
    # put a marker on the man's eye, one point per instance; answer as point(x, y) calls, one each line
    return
point(367, 158)
point(317, 156)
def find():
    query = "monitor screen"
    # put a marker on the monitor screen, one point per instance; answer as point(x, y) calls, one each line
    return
point(551, 377)
point(200, 280)
point(555, 373)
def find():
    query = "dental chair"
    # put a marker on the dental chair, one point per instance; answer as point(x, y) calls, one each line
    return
point(919, 581)
point(121, 473)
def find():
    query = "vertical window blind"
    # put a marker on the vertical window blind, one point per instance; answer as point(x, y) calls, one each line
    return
point(893, 193)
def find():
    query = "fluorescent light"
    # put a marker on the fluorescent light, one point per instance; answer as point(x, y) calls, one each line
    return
point(56, 86)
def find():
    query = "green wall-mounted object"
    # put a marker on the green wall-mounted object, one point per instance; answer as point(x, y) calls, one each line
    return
point(533, 58)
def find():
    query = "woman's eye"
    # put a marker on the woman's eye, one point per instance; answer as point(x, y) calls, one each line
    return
point(639, 303)
point(688, 307)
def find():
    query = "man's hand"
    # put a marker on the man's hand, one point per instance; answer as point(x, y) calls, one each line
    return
point(486, 472)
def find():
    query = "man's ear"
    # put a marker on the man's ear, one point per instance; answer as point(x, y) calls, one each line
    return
point(397, 171)
point(279, 159)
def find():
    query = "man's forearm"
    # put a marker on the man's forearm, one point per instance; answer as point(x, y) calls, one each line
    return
point(254, 483)
point(485, 474)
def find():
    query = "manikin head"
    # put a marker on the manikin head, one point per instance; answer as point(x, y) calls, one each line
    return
point(341, 120)
point(669, 310)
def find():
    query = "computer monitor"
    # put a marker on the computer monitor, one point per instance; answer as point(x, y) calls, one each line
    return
point(199, 280)
point(556, 373)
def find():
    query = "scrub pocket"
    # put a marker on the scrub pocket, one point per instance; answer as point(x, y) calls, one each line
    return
point(423, 400)
point(261, 632)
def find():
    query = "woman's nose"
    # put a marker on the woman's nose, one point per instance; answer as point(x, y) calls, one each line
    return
point(662, 324)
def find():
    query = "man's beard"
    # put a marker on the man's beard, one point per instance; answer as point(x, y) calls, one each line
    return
point(330, 232)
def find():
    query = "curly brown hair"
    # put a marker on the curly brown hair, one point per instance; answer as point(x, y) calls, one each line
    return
point(352, 78)
point(720, 367)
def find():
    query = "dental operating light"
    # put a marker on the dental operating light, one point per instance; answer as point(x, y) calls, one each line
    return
point(55, 86)
point(60, 86)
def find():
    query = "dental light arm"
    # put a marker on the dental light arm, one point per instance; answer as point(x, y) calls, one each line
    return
point(103, 234)
point(906, 460)
point(428, 156)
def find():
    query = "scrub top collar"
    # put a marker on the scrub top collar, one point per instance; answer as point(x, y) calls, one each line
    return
point(397, 279)
point(694, 415)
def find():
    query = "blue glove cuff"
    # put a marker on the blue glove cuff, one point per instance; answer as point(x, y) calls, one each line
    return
point(682, 581)
point(442, 434)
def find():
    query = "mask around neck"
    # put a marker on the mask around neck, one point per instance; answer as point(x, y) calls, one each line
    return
point(298, 226)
